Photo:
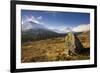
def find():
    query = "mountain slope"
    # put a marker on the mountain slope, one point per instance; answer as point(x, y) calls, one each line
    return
point(31, 25)
point(35, 31)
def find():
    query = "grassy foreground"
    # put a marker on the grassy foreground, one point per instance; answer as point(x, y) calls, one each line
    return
point(48, 50)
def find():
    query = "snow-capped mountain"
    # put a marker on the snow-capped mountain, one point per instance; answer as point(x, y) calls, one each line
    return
point(34, 31)
point(31, 25)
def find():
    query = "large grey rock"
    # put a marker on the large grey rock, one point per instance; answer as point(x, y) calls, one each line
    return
point(73, 45)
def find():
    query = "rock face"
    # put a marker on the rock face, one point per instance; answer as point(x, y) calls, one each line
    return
point(73, 45)
point(69, 43)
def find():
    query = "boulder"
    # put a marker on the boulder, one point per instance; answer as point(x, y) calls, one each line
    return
point(73, 46)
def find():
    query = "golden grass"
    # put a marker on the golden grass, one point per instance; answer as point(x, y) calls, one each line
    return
point(47, 50)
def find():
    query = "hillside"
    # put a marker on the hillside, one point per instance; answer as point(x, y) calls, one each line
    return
point(85, 38)
point(52, 49)
point(32, 31)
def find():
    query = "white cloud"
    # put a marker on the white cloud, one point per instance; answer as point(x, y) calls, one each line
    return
point(82, 27)
point(65, 29)
point(39, 18)
point(22, 22)
point(61, 29)
point(26, 22)
point(31, 18)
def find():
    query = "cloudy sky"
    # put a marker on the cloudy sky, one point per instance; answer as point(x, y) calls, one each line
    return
point(58, 21)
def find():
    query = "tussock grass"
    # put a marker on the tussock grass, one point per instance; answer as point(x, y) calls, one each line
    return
point(48, 50)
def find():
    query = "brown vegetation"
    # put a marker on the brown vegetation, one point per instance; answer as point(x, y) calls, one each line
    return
point(50, 50)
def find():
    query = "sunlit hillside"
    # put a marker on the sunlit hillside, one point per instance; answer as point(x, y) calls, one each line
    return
point(52, 49)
